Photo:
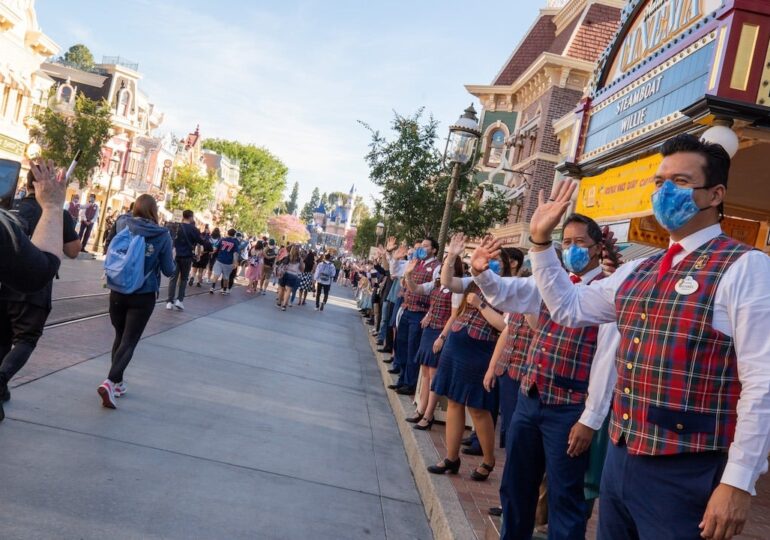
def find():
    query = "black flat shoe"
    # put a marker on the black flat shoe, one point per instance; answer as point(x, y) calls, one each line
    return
point(481, 477)
point(379, 344)
point(424, 427)
point(414, 419)
point(384, 350)
point(467, 441)
point(388, 360)
point(495, 511)
point(394, 371)
point(452, 467)
point(473, 451)
point(393, 386)
point(406, 390)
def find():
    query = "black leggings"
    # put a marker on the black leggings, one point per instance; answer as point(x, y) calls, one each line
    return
point(321, 287)
point(129, 314)
point(21, 325)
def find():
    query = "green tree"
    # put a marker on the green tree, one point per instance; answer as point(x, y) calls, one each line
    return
point(291, 204)
point(325, 200)
point(79, 56)
point(198, 188)
point(262, 181)
point(414, 183)
point(366, 235)
point(62, 134)
point(310, 206)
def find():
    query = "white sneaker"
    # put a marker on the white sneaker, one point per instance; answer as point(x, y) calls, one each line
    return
point(169, 305)
point(107, 392)
point(179, 305)
point(120, 389)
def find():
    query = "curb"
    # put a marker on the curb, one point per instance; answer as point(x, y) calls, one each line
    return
point(442, 505)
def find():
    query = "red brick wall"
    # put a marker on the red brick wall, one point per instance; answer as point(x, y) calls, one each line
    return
point(595, 33)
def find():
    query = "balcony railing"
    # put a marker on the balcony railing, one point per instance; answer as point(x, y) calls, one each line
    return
point(120, 61)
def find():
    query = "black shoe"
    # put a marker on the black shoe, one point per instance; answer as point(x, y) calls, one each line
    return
point(394, 371)
point(452, 467)
point(495, 511)
point(379, 344)
point(481, 477)
point(322, 306)
point(385, 350)
point(424, 427)
point(473, 451)
point(2, 412)
point(414, 419)
point(388, 360)
point(406, 390)
point(467, 441)
point(5, 394)
point(394, 386)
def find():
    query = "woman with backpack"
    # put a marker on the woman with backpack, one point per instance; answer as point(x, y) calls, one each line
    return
point(131, 309)
point(323, 276)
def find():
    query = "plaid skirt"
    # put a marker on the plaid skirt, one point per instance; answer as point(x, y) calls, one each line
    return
point(306, 282)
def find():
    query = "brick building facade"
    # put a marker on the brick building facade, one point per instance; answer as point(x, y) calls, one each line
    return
point(541, 83)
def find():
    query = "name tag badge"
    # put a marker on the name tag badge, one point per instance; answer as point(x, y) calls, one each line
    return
point(445, 290)
point(686, 286)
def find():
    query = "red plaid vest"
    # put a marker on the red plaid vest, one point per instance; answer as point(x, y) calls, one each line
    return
point(90, 211)
point(559, 361)
point(678, 385)
point(423, 273)
point(472, 319)
point(440, 307)
point(517, 343)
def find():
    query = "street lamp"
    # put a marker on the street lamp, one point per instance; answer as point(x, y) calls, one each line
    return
point(114, 163)
point(378, 230)
point(461, 144)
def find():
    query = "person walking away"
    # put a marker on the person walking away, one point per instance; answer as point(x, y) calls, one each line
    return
point(290, 278)
point(202, 259)
point(227, 257)
point(694, 434)
point(306, 277)
point(267, 266)
point(187, 237)
point(255, 265)
point(324, 275)
point(216, 238)
point(23, 315)
point(88, 216)
point(130, 310)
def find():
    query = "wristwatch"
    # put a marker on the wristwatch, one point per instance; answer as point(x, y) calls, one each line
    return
point(483, 305)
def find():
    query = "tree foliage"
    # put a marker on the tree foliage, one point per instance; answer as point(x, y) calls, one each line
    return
point(198, 188)
point(79, 56)
point(291, 204)
point(414, 183)
point(262, 181)
point(360, 210)
point(307, 211)
point(289, 227)
point(61, 134)
point(366, 235)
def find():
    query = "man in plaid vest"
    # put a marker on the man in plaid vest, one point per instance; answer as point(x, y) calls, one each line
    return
point(546, 433)
point(420, 274)
point(690, 426)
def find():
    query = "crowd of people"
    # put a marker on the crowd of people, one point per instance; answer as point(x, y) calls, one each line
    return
point(644, 383)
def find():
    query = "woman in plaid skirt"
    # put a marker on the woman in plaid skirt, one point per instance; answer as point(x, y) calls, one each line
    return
point(464, 360)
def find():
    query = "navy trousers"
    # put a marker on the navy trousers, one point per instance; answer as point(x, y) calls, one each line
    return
point(509, 395)
point(387, 308)
point(656, 497)
point(407, 342)
point(536, 443)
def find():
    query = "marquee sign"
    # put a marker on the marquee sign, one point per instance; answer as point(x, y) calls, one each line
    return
point(660, 22)
point(652, 101)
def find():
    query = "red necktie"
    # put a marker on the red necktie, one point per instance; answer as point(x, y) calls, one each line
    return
point(668, 259)
point(574, 278)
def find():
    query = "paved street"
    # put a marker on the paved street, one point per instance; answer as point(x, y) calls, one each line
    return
point(241, 422)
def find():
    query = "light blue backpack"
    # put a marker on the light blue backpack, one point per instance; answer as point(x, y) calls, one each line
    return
point(124, 264)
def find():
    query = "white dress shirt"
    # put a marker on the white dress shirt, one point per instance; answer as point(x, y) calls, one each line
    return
point(520, 295)
point(741, 311)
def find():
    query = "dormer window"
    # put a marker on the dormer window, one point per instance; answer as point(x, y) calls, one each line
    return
point(124, 101)
point(66, 93)
point(496, 147)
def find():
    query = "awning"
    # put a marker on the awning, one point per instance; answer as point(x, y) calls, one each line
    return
point(630, 251)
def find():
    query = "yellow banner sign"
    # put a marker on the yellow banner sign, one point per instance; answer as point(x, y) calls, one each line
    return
point(620, 193)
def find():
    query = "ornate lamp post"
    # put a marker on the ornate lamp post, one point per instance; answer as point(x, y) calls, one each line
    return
point(461, 145)
point(114, 164)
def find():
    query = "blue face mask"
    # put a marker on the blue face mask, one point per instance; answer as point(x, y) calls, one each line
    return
point(495, 266)
point(674, 206)
point(421, 253)
point(575, 258)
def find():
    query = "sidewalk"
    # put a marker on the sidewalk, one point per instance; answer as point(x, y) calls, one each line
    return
point(241, 421)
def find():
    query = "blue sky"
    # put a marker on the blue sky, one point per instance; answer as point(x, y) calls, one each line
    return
point(296, 76)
